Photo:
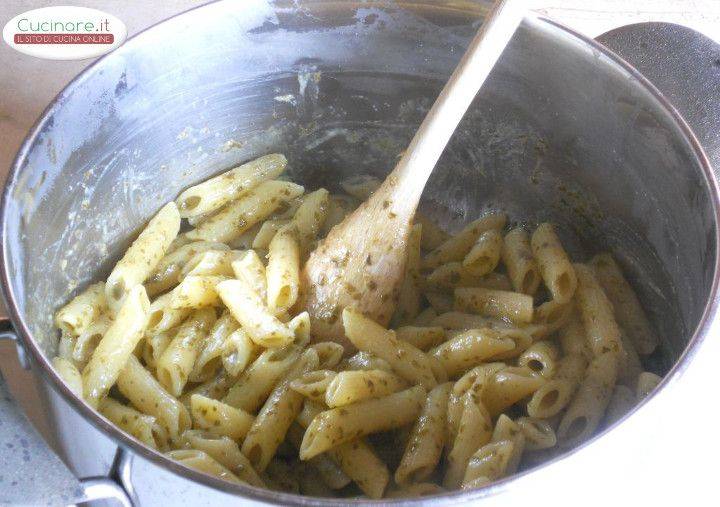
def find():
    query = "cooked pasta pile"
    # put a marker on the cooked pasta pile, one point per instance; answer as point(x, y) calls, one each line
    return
point(502, 350)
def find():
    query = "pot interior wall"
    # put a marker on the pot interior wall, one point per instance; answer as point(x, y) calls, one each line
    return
point(559, 133)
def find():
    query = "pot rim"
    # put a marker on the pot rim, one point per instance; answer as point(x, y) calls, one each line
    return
point(127, 442)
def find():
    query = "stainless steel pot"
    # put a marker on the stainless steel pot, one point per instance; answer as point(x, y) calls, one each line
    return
point(564, 131)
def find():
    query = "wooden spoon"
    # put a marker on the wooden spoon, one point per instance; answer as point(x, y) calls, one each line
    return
point(361, 262)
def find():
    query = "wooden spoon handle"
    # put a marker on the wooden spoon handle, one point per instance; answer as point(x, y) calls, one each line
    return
point(418, 161)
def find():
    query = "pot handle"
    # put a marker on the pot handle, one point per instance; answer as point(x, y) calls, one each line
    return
point(684, 65)
point(7, 333)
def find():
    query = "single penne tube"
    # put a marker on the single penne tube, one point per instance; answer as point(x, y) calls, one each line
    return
point(550, 398)
point(427, 438)
point(488, 463)
point(213, 347)
point(210, 263)
point(407, 361)
point(70, 375)
point(277, 414)
point(628, 311)
point(507, 429)
point(408, 305)
point(167, 273)
point(226, 452)
point(238, 352)
point(484, 256)
point(175, 364)
point(470, 348)
point(646, 383)
point(572, 338)
point(313, 384)
point(212, 194)
point(432, 235)
point(143, 256)
point(344, 424)
point(163, 317)
point(196, 292)
point(587, 407)
point(267, 232)
point(249, 268)
point(248, 309)
point(541, 357)
point(87, 341)
point(283, 270)
point(258, 380)
point(538, 433)
point(309, 217)
point(453, 274)
point(365, 361)
point(200, 461)
point(349, 387)
point(147, 395)
point(622, 401)
point(143, 427)
point(458, 246)
point(218, 418)
point(356, 458)
point(474, 430)
point(423, 338)
point(513, 306)
point(116, 346)
point(330, 354)
point(330, 472)
point(508, 386)
point(300, 327)
point(521, 336)
point(602, 331)
point(518, 259)
point(154, 345)
point(555, 267)
point(240, 215)
point(76, 316)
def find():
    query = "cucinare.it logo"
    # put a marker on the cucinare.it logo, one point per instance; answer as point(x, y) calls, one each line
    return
point(64, 33)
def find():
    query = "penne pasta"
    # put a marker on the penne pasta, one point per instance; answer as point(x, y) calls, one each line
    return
point(116, 346)
point(349, 387)
point(550, 398)
point(470, 348)
point(344, 424)
point(214, 193)
point(167, 273)
point(458, 246)
point(248, 309)
point(200, 461)
point(407, 361)
point(427, 438)
point(540, 357)
point(555, 268)
point(142, 427)
point(283, 270)
point(240, 215)
point(602, 332)
point(249, 268)
point(500, 304)
point(422, 338)
point(148, 396)
point(176, 362)
point(70, 375)
point(518, 259)
point(627, 309)
point(143, 256)
point(219, 419)
point(213, 348)
point(78, 315)
point(484, 256)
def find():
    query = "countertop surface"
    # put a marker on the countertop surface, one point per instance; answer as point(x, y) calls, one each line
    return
point(30, 473)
